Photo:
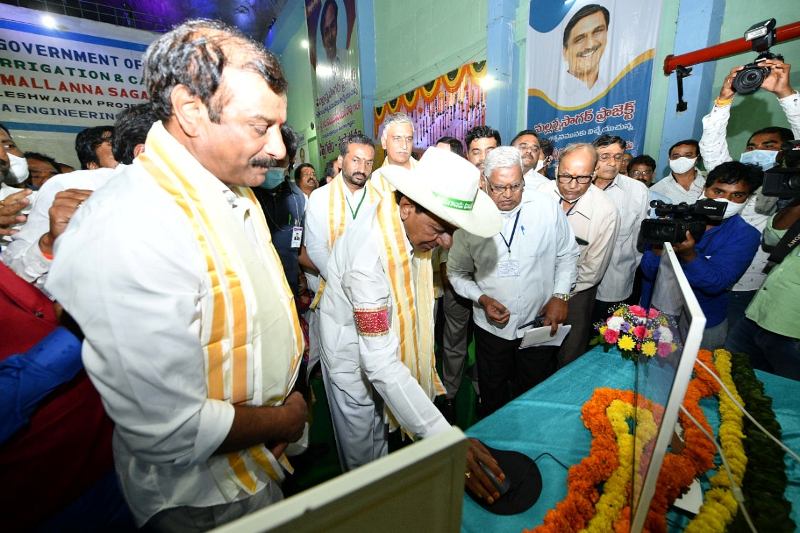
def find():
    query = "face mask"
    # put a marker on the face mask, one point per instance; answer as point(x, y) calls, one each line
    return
point(682, 164)
point(18, 168)
point(763, 158)
point(732, 208)
point(275, 177)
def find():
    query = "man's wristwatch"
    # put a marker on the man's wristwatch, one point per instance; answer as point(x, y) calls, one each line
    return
point(561, 296)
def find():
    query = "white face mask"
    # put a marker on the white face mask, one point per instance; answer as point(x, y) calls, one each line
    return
point(763, 158)
point(682, 164)
point(18, 168)
point(732, 208)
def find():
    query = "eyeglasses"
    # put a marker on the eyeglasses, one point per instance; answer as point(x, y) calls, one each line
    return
point(500, 189)
point(567, 178)
point(606, 157)
point(525, 147)
point(641, 173)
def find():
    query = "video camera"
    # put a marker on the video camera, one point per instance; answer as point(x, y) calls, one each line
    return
point(677, 219)
point(783, 180)
point(749, 79)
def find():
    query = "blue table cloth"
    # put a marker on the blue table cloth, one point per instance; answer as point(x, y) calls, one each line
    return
point(547, 419)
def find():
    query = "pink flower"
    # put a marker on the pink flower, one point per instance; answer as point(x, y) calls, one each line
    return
point(637, 310)
point(639, 332)
point(611, 336)
point(653, 313)
point(664, 349)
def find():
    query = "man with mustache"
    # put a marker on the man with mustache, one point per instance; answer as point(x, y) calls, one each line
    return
point(330, 211)
point(192, 337)
point(585, 37)
point(377, 314)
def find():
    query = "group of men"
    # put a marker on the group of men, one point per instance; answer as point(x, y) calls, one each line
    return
point(171, 269)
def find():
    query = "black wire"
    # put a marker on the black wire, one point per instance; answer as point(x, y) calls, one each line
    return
point(565, 467)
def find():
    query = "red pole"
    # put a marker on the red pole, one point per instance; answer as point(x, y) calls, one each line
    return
point(726, 49)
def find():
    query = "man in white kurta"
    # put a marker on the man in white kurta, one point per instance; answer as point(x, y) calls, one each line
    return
point(192, 338)
point(376, 317)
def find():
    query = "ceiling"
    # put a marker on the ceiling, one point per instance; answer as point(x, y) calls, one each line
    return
point(253, 17)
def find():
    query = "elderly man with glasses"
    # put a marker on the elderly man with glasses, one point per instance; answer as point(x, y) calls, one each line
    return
point(594, 220)
point(631, 199)
point(525, 272)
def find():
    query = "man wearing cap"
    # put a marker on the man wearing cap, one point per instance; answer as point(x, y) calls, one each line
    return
point(525, 271)
point(377, 315)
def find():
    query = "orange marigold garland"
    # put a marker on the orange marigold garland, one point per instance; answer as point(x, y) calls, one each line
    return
point(574, 512)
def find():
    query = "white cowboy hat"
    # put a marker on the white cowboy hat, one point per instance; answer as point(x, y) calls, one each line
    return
point(447, 185)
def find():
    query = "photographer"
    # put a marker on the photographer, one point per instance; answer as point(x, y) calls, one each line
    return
point(713, 143)
point(770, 331)
point(714, 263)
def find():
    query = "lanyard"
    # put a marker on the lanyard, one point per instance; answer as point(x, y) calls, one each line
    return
point(358, 207)
point(571, 206)
point(513, 230)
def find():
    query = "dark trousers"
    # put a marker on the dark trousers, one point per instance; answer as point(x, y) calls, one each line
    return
point(579, 316)
point(505, 371)
point(768, 351)
point(602, 310)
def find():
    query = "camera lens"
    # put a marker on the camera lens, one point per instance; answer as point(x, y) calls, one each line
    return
point(749, 79)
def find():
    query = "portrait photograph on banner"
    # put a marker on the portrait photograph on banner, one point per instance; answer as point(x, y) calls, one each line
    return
point(589, 66)
point(333, 51)
point(447, 106)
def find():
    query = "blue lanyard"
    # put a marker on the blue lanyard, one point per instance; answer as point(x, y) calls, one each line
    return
point(513, 231)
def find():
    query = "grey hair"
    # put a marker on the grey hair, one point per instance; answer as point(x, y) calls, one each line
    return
point(574, 147)
point(502, 157)
point(396, 118)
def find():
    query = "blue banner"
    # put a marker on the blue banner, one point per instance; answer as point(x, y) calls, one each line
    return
point(589, 69)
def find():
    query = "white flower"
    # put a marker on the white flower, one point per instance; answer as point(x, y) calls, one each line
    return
point(665, 335)
point(615, 322)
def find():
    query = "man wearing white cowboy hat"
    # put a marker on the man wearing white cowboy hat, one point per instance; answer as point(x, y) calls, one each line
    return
point(377, 316)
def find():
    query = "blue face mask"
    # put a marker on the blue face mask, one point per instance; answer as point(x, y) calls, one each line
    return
point(275, 177)
point(763, 158)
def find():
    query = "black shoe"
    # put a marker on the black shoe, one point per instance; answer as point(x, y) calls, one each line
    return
point(447, 407)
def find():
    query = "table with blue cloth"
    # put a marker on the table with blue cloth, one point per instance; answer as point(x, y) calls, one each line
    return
point(547, 418)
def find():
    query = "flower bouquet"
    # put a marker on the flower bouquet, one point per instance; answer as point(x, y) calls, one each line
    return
point(637, 331)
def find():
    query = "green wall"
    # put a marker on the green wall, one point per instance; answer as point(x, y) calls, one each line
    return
point(419, 40)
point(300, 111)
point(759, 109)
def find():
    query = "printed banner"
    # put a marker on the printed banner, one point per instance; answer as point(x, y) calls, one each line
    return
point(449, 105)
point(56, 80)
point(333, 47)
point(589, 69)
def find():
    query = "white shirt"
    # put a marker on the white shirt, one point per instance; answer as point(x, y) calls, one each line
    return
point(676, 193)
point(630, 197)
point(593, 219)
point(23, 255)
point(356, 280)
point(714, 142)
point(5, 192)
point(754, 276)
point(534, 180)
point(542, 261)
point(317, 223)
point(130, 271)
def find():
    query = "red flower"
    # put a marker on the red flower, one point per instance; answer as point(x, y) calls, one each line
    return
point(611, 336)
point(639, 332)
point(637, 310)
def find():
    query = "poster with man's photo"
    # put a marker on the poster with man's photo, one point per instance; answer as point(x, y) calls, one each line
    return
point(333, 50)
point(589, 66)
